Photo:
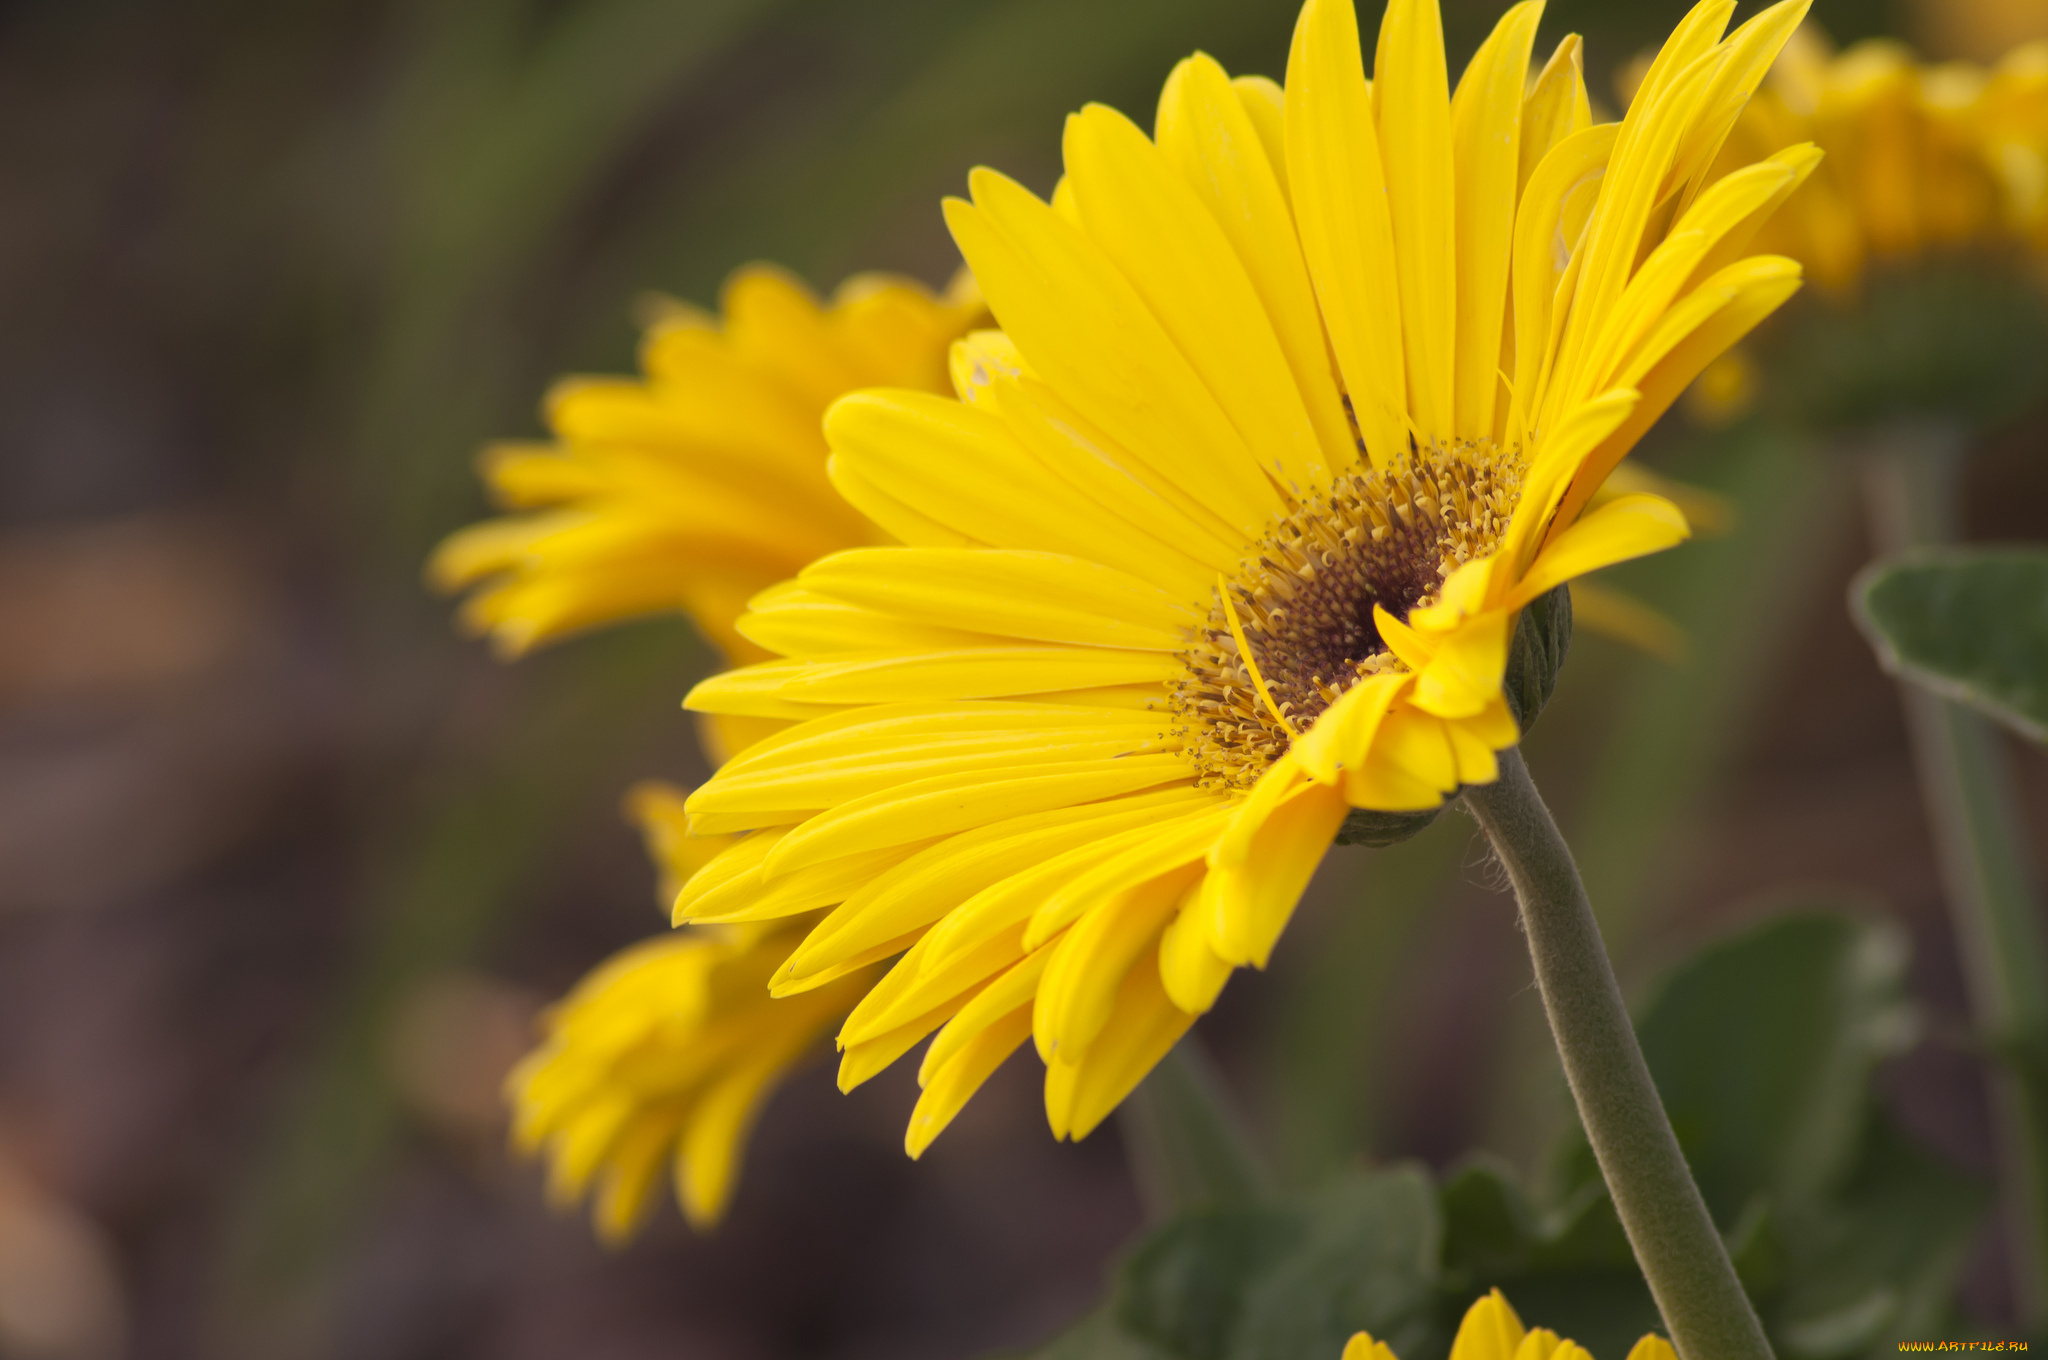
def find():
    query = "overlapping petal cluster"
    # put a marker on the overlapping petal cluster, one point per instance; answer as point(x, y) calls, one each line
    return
point(703, 482)
point(1921, 159)
point(1492, 1331)
point(689, 490)
point(1296, 404)
point(658, 1062)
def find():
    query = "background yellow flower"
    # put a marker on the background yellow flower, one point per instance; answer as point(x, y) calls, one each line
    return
point(1921, 158)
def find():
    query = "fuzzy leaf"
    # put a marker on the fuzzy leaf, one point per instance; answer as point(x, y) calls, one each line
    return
point(1970, 624)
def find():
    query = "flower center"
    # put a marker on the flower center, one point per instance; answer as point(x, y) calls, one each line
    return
point(1297, 620)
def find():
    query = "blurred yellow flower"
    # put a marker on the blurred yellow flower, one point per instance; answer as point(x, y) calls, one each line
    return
point(699, 484)
point(659, 1060)
point(1725, 392)
point(1491, 1331)
point(1229, 532)
point(1921, 159)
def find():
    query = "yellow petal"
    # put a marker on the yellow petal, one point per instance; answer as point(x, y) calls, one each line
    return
point(1490, 1331)
point(628, 1185)
point(1745, 58)
point(1546, 242)
point(1088, 460)
point(1699, 330)
point(1632, 526)
point(1170, 846)
point(845, 765)
point(993, 1004)
point(791, 621)
point(1191, 971)
point(920, 891)
point(1012, 901)
point(1466, 672)
point(915, 986)
point(1254, 902)
point(1144, 1025)
point(1047, 597)
point(1417, 744)
point(962, 468)
point(756, 897)
point(1556, 106)
point(1339, 193)
point(938, 806)
point(950, 1087)
point(1088, 333)
point(1211, 132)
point(1652, 1347)
point(1486, 122)
point(1560, 456)
point(1412, 93)
point(810, 688)
point(1162, 238)
point(1343, 733)
point(1085, 977)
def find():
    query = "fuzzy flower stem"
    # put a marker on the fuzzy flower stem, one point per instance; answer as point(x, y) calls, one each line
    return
point(1911, 475)
point(1186, 1144)
point(1675, 1243)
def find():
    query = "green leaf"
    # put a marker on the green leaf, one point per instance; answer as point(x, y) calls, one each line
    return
point(1567, 1267)
point(1970, 624)
point(1879, 1262)
point(1295, 1278)
point(1184, 1289)
point(1367, 1261)
point(1762, 1047)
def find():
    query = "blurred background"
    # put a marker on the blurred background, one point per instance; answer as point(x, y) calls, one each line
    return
point(286, 867)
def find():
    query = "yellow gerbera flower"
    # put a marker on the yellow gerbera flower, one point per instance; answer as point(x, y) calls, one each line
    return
point(1491, 1331)
point(698, 485)
point(1296, 406)
point(1921, 158)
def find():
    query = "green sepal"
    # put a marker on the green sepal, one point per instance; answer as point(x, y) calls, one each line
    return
point(1364, 826)
point(1970, 624)
point(1543, 635)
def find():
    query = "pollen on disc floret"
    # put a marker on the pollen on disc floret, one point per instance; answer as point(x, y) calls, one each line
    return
point(1303, 599)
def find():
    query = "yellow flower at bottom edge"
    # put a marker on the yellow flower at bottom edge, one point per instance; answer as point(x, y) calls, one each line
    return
point(1921, 158)
point(1491, 1331)
point(660, 1059)
point(1229, 532)
point(694, 487)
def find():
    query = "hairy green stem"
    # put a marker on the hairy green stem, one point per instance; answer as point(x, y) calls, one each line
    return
point(1187, 1145)
point(1911, 476)
point(1675, 1242)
